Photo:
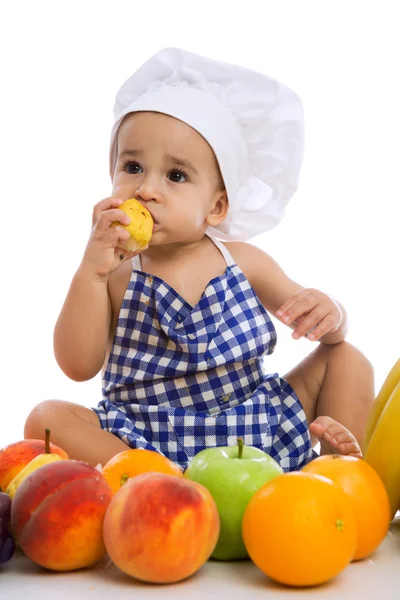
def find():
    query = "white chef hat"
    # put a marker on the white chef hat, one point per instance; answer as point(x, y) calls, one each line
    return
point(253, 123)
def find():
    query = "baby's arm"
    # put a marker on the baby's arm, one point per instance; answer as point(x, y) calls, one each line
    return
point(82, 329)
point(277, 291)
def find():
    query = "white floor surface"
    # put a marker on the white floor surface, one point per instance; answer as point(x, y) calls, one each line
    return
point(376, 578)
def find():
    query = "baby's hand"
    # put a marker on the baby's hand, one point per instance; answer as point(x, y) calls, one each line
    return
point(312, 312)
point(104, 252)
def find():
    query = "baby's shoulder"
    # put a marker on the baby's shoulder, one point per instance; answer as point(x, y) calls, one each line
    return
point(249, 258)
point(269, 281)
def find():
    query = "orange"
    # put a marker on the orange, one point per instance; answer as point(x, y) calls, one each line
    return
point(130, 463)
point(300, 529)
point(367, 493)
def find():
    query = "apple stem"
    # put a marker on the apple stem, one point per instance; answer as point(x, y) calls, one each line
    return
point(240, 446)
point(47, 441)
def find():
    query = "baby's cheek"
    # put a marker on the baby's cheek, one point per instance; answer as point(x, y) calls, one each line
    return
point(120, 188)
point(121, 178)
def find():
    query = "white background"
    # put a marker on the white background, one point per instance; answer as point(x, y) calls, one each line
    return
point(61, 66)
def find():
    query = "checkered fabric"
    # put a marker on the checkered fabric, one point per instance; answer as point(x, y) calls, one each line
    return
point(180, 378)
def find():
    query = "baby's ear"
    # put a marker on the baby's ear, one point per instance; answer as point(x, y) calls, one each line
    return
point(219, 210)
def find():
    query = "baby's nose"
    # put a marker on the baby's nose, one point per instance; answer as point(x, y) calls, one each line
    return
point(148, 191)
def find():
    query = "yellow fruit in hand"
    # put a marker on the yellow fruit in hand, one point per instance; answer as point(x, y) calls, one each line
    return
point(140, 227)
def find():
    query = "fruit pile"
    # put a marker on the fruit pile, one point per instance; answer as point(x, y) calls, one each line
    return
point(160, 525)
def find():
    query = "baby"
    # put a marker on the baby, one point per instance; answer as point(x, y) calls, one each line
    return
point(180, 330)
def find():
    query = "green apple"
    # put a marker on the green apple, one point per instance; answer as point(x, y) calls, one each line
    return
point(232, 474)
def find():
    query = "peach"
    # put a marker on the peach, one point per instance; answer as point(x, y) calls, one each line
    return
point(14, 457)
point(161, 528)
point(57, 515)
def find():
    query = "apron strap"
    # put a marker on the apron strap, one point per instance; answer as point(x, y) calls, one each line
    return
point(136, 263)
point(224, 251)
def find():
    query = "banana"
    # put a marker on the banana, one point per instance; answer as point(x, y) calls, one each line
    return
point(379, 404)
point(383, 450)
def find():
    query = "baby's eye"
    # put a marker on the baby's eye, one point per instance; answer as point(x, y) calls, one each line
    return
point(177, 176)
point(133, 168)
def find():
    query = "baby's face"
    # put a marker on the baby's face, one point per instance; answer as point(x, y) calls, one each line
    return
point(172, 170)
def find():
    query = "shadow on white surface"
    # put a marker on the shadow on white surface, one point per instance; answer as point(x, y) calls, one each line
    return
point(371, 579)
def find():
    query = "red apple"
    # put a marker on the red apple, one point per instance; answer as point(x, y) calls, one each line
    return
point(14, 457)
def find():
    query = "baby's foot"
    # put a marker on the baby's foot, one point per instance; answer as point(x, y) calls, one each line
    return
point(334, 437)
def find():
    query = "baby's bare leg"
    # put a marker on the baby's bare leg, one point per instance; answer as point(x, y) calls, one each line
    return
point(76, 429)
point(336, 381)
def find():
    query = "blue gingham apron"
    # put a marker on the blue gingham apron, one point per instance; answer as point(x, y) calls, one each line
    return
point(180, 378)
